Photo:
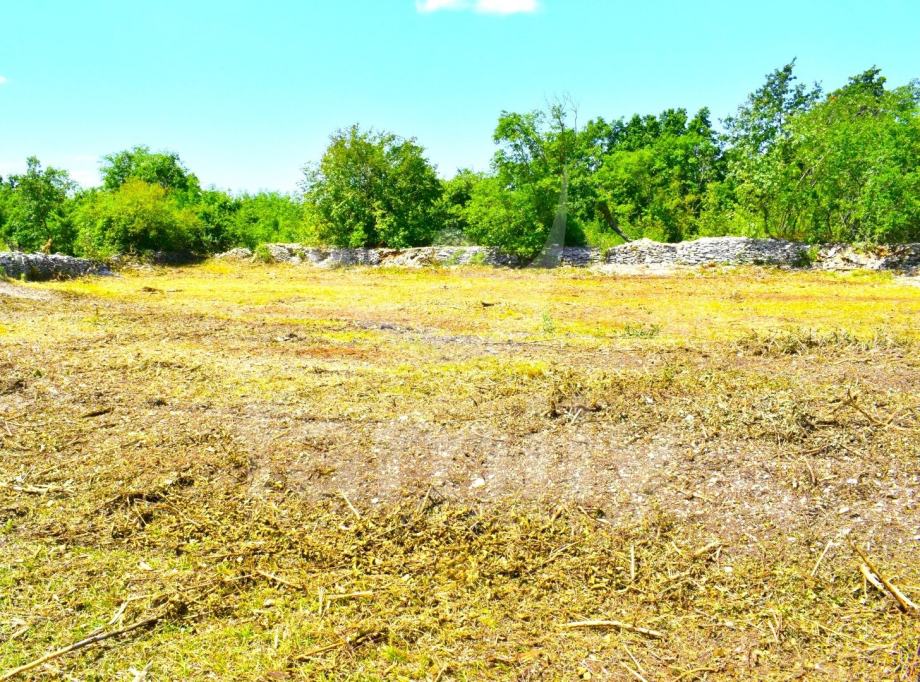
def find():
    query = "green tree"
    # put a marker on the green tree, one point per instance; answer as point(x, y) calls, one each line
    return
point(161, 168)
point(851, 168)
point(524, 205)
point(653, 179)
point(5, 192)
point(762, 120)
point(217, 213)
point(506, 218)
point(453, 208)
point(373, 189)
point(758, 135)
point(37, 208)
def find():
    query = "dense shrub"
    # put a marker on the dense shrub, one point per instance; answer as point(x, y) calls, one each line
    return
point(508, 219)
point(841, 167)
point(217, 214)
point(453, 207)
point(138, 217)
point(854, 169)
point(270, 217)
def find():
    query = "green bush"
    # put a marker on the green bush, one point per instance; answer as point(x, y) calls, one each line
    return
point(842, 168)
point(261, 254)
point(156, 168)
point(507, 219)
point(137, 218)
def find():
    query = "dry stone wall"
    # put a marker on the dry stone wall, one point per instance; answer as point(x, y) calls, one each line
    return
point(709, 251)
point(641, 253)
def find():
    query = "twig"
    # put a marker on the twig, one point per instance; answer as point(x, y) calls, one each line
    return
point(773, 631)
point(899, 413)
point(634, 660)
point(694, 672)
point(19, 633)
point(350, 595)
point(118, 615)
point(814, 571)
point(811, 472)
point(632, 562)
point(278, 579)
point(851, 402)
point(708, 549)
point(35, 425)
point(355, 639)
point(350, 505)
point(632, 672)
point(486, 436)
point(320, 650)
point(35, 489)
point(615, 624)
point(593, 518)
point(421, 505)
point(80, 645)
point(691, 494)
point(904, 603)
point(97, 413)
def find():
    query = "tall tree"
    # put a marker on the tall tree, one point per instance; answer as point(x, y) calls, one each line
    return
point(373, 189)
point(139, 217)
point(653, 177)
point(37, 209)
point(454, 206)
point(268, 217)
point(851, 170)
point(525, 205)
point(758, 133)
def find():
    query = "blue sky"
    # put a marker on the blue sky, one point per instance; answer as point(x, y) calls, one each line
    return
point(247, 92)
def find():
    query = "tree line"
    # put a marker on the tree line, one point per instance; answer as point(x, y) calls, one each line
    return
point(793, 162)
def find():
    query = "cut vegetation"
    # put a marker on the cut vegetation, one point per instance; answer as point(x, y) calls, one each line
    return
point(254, 472)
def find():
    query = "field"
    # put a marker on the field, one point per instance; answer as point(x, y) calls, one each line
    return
point(272, 473)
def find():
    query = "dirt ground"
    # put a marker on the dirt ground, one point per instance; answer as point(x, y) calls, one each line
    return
point(287, 473)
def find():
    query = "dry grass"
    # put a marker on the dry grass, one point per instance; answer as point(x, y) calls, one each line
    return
point(369, 474)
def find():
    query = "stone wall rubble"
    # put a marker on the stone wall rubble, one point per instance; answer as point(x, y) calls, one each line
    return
point(40, 266)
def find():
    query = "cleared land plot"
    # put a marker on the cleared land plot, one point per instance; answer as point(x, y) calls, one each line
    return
point(287, 473)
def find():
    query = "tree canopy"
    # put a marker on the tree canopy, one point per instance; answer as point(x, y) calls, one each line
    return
point(160, 168)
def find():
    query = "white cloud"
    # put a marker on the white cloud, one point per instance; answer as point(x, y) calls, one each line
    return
point(480, 6)
point(3, 80)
